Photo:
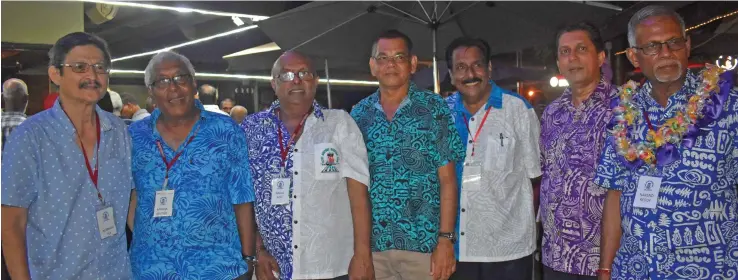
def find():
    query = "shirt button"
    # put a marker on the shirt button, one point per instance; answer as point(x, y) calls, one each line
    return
point(295, 172)
point(470, 141)
point(472, 119)
point(295, 150)
point(295, 221)
point(463, 210)
point(462, 233)
point(294, 197)
point(295, 246)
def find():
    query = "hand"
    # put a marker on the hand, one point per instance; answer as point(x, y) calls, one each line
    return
point(443, 260)
point(266, 266)
point(603, 276)
point(361, 267)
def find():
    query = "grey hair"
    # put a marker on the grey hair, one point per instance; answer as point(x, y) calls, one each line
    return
point(15, 95)
point(647, 12)
point(150, 72)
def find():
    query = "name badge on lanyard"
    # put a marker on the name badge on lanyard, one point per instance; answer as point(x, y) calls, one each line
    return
point(647, 194)
point(164, 199)
point(281, 191)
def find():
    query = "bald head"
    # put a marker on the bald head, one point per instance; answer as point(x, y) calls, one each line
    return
point(290, 56)
point(238, 113)
point(15, 95)
point(208, 95)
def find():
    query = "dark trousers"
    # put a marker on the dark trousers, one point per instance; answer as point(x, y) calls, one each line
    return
point(550, 274)
point(520, 269)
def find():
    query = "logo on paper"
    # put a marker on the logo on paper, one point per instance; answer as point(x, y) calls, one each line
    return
point(106, 216)
point(280, 185)
point(163, 200)
point(329, 159)
point(649, 186)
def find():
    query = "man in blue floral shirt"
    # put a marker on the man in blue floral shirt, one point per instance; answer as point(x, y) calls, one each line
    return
point(671, 210)
point(191, 211)
point(412, 145)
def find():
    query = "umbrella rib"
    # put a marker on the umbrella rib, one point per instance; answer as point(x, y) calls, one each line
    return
point(329, 30)
point(406, 13)
point(444, 10)
point(424, 11)
point(460, 12)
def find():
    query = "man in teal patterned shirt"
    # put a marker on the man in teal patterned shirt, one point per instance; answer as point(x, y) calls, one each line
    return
point(412, 145)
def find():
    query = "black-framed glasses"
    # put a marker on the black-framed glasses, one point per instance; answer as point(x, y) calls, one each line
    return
point(81, 67)
point(655, 47)
point(398, 58)
point(179, 80)
point(290, 76)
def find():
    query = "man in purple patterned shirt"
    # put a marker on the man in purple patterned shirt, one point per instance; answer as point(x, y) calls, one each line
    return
point(572, 135)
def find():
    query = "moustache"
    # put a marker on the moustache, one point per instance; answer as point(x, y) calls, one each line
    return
point(668, 62)
point(472, 80)
point(87, 84)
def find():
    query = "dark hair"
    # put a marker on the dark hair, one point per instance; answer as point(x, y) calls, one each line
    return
point(466, 42)
point(128, 98)
point(592, 31)
point(106, 103)
point(208, 97)
point(61, 48)
point(393, 34)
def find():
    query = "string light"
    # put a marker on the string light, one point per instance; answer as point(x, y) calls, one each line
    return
point(698, 26)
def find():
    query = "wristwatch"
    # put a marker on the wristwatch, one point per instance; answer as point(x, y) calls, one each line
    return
point(451, 236)
point(251, 260)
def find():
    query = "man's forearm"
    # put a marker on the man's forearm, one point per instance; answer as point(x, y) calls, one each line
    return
point(246, 227)
point(14, 242)
point(361, 213)
point(611, 229)
point(449, 197)
point(132, 210)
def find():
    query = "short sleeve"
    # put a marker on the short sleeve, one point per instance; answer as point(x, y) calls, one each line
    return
point(20, 168)
point(528, 130)
point(351, 145)
point(448, 144)
point(609, 168)
point(240, 184)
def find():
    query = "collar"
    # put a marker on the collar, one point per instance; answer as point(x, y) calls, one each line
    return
point(317, 110)
point(157, 113)
point(61, 118)
point(412, 93)
point(691, 83)
point(494, 100)
point(600, 92)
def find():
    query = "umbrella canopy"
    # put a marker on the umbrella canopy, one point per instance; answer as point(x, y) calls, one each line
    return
point(346, 30)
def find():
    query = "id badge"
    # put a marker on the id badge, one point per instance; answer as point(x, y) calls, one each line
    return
point(647, 194)
point(106, 221)
point(281, 191)
point(472, 178)
point(164, 203)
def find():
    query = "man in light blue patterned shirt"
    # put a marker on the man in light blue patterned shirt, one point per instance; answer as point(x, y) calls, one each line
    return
point(66, 176)
point(191, 210)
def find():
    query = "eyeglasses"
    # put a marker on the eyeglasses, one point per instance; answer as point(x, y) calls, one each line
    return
point(655, 47)
point(81, 67)
point(398, 58)
point(179, 80)
point(290, 76)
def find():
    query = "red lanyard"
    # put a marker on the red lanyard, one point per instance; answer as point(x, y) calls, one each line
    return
point(479, 129)
point(90, 171)
point(282, 149)
point(169, 164)
point(648, 121)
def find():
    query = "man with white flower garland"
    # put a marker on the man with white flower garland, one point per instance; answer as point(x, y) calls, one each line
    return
point(670, 163)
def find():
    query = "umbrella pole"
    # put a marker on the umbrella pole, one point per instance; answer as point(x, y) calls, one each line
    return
point(328, 85)
point(436, 84)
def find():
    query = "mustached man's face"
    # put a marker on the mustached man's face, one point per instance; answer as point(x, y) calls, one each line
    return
point(87, 87)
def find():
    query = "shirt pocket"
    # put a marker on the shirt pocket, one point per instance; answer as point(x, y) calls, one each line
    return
point(500, 150)
point(326, 162)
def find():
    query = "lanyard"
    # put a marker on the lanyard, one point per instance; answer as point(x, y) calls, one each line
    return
point(90, 171)
point(648, 121)
point(282, 149)
point(479, 129)
point(169, 164)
